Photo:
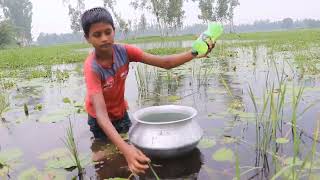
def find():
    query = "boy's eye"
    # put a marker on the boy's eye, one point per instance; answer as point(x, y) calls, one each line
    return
point(107, 32)
point(96, 34)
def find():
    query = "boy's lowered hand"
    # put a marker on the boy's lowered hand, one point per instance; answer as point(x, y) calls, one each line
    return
point(137, 161)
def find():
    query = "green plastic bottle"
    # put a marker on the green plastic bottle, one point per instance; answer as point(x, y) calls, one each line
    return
point(214, 31)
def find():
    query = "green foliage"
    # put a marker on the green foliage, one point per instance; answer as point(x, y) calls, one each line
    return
point(168, 13)
point(19, 12)
point(207, 10)
point(4, 104)
point(70, 143)
point(33, 56)
point(206, 143)
point(75, 12)
point(224, 154)
point(6, 33)
point(8, 160)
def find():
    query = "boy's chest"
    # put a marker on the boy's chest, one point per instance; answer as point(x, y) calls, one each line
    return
point(113, 80)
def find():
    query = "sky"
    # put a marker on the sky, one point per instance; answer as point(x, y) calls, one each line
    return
point(51, 16)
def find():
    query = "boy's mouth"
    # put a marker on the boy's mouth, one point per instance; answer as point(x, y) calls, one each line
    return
point(105, 45)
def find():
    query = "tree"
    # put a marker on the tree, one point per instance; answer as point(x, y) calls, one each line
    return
point(232, 5)
point(6, 33)
point(143, 23)
point(19, 13)
point(222, 10)
point(207, 11)
point(167, 12)
point(75, 13)
point(175, 14)
point(287, 23)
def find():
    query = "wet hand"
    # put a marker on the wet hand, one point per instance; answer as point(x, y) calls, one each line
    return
point(137, 161)
point(211, 45)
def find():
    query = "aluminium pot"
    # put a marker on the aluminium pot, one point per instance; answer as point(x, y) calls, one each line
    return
point(165, 131)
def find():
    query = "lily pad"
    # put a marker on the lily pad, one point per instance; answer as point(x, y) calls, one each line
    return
point(35, 174)
point(4, 171)
point(224, 154)
point(57, 116)
point(54, 154)
point(31, 173)
point(10, 156)
point(244, 115)
point(282, 140)
point(66, 162)
point(66, 100)
point(174, 98)
point(216, 91)
point(206, 143)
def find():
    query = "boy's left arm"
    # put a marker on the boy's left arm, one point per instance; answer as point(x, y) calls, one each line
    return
point(171, 61)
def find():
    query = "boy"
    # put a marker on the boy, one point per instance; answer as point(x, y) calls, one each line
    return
point(105, 71)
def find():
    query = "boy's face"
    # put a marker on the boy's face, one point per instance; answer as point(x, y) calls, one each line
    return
point(101, 36)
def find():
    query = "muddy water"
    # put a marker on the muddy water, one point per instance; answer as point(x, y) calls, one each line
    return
point(197, 84)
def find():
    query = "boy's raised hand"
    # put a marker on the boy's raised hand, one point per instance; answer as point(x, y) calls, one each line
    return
point(137, 161)
point(211, 45)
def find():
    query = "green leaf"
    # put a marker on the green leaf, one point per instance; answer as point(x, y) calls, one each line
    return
point(4, 171)
point(66, 162)
point(35, 174)
point(30, 174)
point(224, 154)
point(56, 116)
point(54, 154)
point(8, 156)
point(117, 178)
point(282, 140)
point(174, 98)
point(66, 100)
point(206, 143)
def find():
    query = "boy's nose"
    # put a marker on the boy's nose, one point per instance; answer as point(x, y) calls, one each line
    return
point(104, 38)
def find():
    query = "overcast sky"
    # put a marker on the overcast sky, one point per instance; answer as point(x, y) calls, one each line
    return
point(51, 16)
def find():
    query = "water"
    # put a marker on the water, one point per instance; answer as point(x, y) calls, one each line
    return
point(197, 84)
point(164, 117)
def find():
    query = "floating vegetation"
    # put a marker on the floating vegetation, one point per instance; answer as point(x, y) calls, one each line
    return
point(224, 154)
point(9, 159)
point(34, 173)
point(174, 98)
point(206, 143)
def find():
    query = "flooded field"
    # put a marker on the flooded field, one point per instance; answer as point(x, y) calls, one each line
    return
point(257, 104)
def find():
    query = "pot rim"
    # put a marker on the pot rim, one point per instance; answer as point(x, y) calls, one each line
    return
point(188, 109)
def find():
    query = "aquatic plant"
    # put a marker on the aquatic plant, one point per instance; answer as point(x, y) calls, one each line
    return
point(4, 104)
point(71, 145)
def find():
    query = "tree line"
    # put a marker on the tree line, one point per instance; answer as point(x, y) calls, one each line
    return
point(168, 19)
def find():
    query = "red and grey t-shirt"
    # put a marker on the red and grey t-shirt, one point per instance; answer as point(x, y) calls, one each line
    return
point(110, 80)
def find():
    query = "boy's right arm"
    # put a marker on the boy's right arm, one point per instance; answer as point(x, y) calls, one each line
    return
point(137, 161)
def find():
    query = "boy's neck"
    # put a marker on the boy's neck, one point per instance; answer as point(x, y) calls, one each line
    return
point(104, 55)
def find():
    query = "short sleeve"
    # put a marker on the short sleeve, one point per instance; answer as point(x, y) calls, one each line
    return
point(93, 81)
point(134, 53)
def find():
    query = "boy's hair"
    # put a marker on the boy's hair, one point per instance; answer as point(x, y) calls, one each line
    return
point(95, 15)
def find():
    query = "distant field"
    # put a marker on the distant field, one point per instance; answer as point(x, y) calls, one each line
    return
point(63, 54)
